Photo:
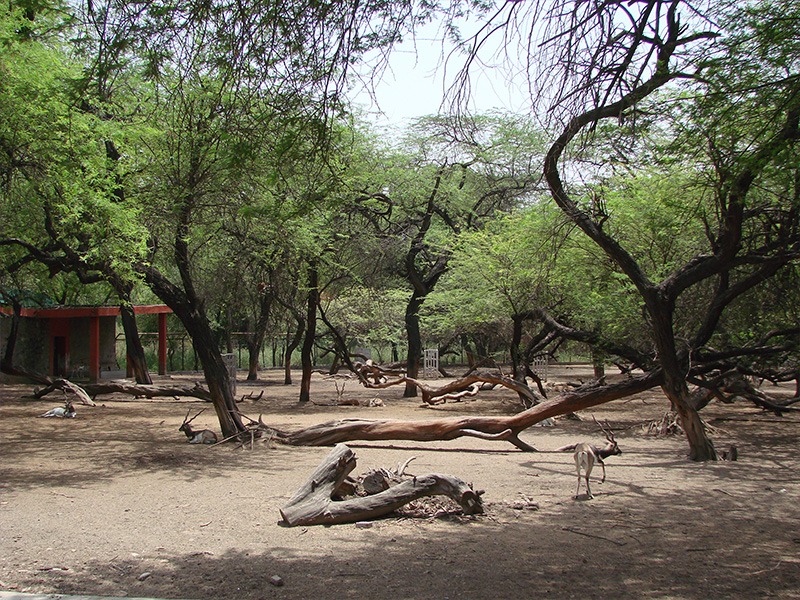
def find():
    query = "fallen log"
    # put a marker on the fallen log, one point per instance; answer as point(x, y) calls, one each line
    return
point(65, 386)
point(505, 428)
point(469, 385)
point(92, 390)
point(318, 501)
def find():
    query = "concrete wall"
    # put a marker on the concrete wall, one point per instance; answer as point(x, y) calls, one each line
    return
point(33, 343)
point(79, 345)
point(33, 347)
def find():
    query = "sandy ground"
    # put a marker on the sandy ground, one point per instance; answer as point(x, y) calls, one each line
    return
point(115, 502)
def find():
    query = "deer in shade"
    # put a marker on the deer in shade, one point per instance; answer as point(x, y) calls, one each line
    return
point(586, 455)
point(204, 436)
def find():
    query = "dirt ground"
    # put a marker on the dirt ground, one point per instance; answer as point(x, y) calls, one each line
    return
point(115, 502)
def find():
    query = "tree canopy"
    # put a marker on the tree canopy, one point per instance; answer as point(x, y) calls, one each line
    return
point(205, 154)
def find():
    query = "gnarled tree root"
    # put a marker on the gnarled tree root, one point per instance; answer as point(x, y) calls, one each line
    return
point(316, 503)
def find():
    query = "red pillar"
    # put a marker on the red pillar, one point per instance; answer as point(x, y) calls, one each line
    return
point(162, 344)
point(94, 348)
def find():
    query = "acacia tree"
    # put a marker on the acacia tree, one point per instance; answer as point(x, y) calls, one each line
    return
point(511, 261)
point(45, 140)
point(193, 98)
point(731, 75)
point(440, 185)
point(602, 62)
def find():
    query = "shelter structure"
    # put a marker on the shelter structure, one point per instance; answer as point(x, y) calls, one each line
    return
point(75, 341)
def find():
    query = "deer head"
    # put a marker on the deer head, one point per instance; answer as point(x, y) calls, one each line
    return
point(611, 448)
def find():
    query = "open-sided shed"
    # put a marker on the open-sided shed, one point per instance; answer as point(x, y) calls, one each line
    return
point(75, 341)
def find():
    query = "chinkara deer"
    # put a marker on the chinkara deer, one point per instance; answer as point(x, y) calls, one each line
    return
point(586, 455)
point(204, 436)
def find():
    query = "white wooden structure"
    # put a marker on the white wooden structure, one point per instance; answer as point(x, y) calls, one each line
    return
point(430, 369)
point(539, 367)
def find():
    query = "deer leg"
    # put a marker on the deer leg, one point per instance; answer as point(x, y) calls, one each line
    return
point(589, 465)
point(583, 458)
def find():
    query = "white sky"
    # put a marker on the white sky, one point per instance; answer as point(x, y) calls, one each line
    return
point(419, 75)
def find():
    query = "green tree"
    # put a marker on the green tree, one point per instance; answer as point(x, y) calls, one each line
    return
point(734, 76)
point(449, 177)
point(179, 110)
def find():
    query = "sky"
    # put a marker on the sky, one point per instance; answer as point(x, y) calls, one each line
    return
point(419, 74)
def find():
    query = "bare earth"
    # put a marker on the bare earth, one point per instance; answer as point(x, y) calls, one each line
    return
point(115, 502)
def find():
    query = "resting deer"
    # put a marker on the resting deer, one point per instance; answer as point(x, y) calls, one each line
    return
point(205, 436)
point(62, 412)
point(586, 455)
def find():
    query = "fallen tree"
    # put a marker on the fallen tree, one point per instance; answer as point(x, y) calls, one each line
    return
point(90, 391)
point(320, 501)
point(373, 376)
point(505, 428)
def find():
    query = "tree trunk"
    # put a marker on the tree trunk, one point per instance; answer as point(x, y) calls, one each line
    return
point(253, 352)
point(291, 346)
point(7, 363)
point(306, 358)
point(256, 342)
point(217, 378)
point(133, 344)
point(674, 367)
point(598, 364)
point(701, 447)
point(7, 360)
point(414, 342)
point(194, 320)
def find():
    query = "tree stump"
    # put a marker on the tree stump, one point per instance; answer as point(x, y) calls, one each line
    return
point(320, 501)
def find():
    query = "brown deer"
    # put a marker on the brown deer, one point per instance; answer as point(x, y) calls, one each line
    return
point(205, 436)
point(586, 455)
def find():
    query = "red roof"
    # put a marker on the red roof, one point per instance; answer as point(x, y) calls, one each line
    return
point(66, 312)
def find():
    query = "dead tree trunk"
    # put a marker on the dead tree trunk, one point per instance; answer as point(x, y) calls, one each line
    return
point(65, 386)
point(91, 390)
point(489, 428)
point(375, 377)
point(316, 503)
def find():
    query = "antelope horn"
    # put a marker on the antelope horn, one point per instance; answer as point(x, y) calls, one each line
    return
point(605, 429)
point(194, 417)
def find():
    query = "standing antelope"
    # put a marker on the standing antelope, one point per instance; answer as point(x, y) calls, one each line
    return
point(205, 436)
point(587, 454)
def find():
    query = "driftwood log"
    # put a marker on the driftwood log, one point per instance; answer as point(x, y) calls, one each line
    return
point(318, 501)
